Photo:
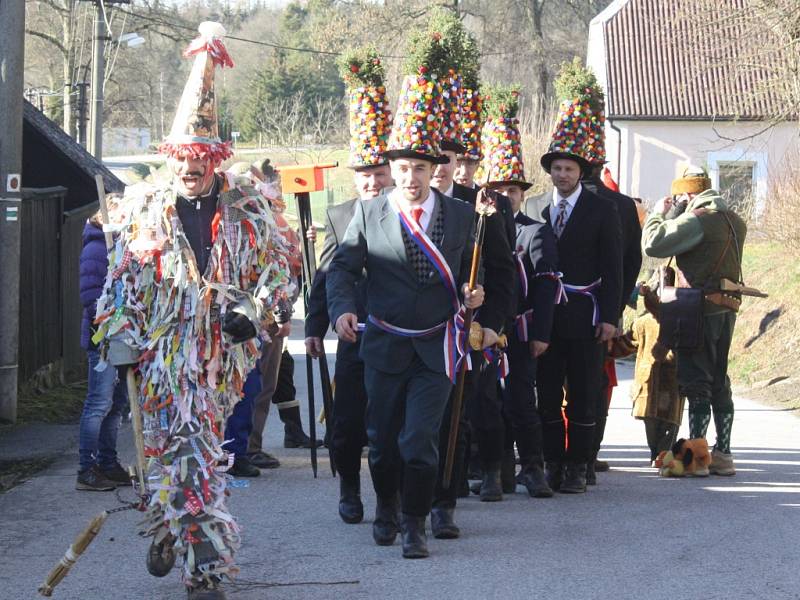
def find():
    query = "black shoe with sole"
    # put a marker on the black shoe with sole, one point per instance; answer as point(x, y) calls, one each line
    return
point(385, 527)
point(554, 472)
point(161, 556)
point(443, 526)
point(574, 479)
point(415, 542)
point(351, 509)
point(242, 467)
point(533, 478)
point(263, 460)
point(295, 437)
point(117, 474)
point(491, 487)
point(93, 480)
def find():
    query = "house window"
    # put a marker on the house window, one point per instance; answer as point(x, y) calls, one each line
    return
point(736, 184)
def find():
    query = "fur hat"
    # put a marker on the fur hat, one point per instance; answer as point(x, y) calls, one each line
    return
point(693, 181)
point(502, 162)
point(195, 129)
point(370, 117)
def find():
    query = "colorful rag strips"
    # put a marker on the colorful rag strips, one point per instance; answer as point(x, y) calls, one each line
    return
point(471, 123)
point(189, 376)
point(370, 121)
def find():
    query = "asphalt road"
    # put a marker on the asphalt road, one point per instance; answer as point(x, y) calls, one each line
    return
point(634, 536)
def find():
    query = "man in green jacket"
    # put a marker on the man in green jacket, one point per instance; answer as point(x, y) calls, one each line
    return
point(707, 240)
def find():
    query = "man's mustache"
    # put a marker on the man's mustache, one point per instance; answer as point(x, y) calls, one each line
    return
point(193, 174)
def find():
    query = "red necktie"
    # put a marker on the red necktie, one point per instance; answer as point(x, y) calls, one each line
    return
point(416, 214)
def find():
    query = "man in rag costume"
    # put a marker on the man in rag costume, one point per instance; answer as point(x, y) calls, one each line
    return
point(195, 276)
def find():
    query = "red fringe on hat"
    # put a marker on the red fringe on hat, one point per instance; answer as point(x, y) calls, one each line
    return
point(215, 48)
point(217, 152)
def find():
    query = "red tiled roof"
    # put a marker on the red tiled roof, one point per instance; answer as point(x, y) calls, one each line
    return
point(683, 59)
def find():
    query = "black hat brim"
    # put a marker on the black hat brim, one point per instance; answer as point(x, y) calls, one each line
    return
point(524, 185)
point(547, 159)
point(368, 167)
point(409, 153)
point(451, 146)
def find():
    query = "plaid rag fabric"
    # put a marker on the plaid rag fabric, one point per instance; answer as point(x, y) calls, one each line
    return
point(419, 262)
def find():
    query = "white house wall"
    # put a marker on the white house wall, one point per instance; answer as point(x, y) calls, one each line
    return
point(653, 153)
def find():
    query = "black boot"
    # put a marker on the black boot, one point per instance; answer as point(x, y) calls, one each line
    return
point(554, 472)
point(591, 475)
point(415, 542)
point(295, 437)
point(386, 526)
point(161, 556)
point(491, 488)
point(574, 479)
point(533, 478)
point(351, 509)
point(508, 474)
point(443, 526)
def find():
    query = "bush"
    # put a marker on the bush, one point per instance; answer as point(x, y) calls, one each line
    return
point(781, 219)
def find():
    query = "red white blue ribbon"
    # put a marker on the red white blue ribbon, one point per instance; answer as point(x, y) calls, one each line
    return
point(402, 331)
point(492, 354)
point(556, 276)
point(521, 323)
point(523, 276)
point(590, 291)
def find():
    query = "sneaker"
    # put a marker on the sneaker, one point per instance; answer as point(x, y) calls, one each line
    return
point(721, 464)
point(93, 480)
point(263, 460)
point(117, 474)
point(699, 472)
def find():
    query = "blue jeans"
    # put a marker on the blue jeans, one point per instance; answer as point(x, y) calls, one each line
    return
point(106, 402)
point(240, 422)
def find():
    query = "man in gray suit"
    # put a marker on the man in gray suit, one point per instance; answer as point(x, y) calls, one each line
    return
point(534, 206)
point(415, 245)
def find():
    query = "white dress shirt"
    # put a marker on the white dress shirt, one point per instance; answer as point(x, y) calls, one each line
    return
point(572, 200)
point(427, 207)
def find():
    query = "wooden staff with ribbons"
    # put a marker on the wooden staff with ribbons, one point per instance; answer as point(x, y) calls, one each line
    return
point(484, 210)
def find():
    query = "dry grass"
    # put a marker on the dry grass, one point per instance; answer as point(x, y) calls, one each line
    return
point(536, 128)
point(781, 220)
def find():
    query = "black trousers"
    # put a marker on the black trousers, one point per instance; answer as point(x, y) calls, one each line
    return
point(578, 363)
point(519, 402)
point(404, 414)
point(348, 423)
point(601, 408)
point(485, 409)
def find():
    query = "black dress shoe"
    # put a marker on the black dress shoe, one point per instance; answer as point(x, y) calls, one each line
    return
point(554, 471)
point(574, 479)
point(351, 509)
point(442, 525)
point(491, 488)
point(295, 437)
point(415, 542)
point(385, 527)
point(242, 467)
point(508, 474)
point(533, 478)
point(161, 556)
point(263, 460)
point(591, 476)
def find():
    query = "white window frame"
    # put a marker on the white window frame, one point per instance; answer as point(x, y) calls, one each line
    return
point(759, 162)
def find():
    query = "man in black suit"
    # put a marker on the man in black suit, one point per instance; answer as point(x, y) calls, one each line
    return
point(409, 303)
point(348, 430)
point(631, 265)
point(590, 258)
point(480, 382)
point(528, 338)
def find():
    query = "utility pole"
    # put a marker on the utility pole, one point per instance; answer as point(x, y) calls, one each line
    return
point(98, 75)
point(12, 57)
point(82, 112)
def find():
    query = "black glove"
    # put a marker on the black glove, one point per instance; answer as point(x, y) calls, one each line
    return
point(239, 327)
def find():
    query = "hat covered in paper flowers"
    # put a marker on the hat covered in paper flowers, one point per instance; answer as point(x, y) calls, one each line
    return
point(502, 147)
point(195, 129)
point(472, 115)
point(579, 132)
point(370, 117)
point(416, 129)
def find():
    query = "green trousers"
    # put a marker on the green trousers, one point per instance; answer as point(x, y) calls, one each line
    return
point(703, 379)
